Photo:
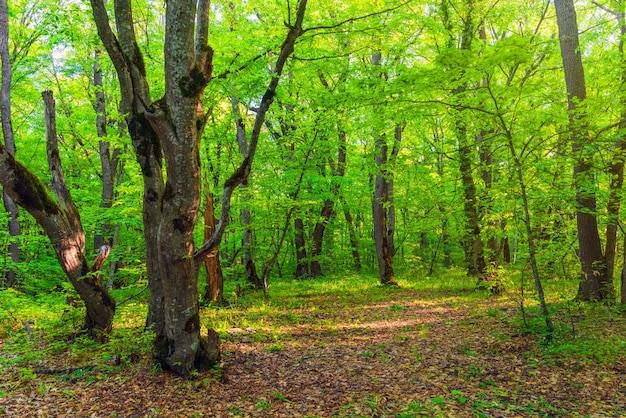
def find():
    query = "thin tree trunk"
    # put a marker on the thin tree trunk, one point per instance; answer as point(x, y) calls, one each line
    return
point(246, 217)
point(317, 238)
point(352, 233)
point(616, 168)
point(531, 242)
point(473, 243)
point(445, 234)
point(109, 161)
point(281, 239)
point(383, 254)
point(382, 214)
point(9, 141)
point(302, 265)
point(116, 230)
point(486, 164)
point(391, 209)
point(328, 209)
point(214, 290)
point(594, 285)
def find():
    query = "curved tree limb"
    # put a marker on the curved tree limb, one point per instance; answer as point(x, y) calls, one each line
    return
point(242, 173)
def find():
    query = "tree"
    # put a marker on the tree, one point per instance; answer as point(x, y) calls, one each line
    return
point(59, 219)
point(61, 222)
point(166, 135)
point(246, 216)
point(594, 285)
point(616, 165)
point(9, 140)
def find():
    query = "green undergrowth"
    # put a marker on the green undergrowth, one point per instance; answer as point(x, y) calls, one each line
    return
point(589, 332)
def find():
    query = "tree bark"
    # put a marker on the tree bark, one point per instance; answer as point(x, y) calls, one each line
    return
point(9, 141)
point(472, 241)
point(317, 237)
point(383, 213)
point(594, 285)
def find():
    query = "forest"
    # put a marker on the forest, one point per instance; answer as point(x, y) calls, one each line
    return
point(389, 208)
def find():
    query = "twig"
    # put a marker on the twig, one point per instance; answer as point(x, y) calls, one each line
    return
point(27, 325)
point(132, 296)
point(64, 371)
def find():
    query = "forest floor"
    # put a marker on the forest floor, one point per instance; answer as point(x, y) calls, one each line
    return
point(402, 353)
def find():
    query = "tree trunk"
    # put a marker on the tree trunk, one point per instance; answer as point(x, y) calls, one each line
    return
point(472, 242)
point(391, 209)
point(302, 265)
point(486, 174)
point(9, 140)
point(594, 285)
point(109, 161)
point(246, 217)
point(381, 238)
point(282, 234)
point(445, 234)
point(616, 168)
point(341, 171)
point(354, 240)
point(317, 237)
point(61, 223)
point(214, 290)
point(383, 213)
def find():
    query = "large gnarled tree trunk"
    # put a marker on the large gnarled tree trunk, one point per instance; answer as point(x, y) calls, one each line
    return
point(170, 129)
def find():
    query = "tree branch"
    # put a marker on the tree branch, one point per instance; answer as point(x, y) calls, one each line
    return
point(242, 173)
point(57, 184)
point(356, 19)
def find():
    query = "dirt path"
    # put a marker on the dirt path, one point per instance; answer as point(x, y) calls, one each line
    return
point(404, 357)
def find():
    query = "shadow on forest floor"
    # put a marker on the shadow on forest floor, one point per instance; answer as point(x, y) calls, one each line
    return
point(403, 353)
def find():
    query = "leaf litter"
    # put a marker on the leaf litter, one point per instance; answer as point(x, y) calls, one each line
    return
point(409, 356)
